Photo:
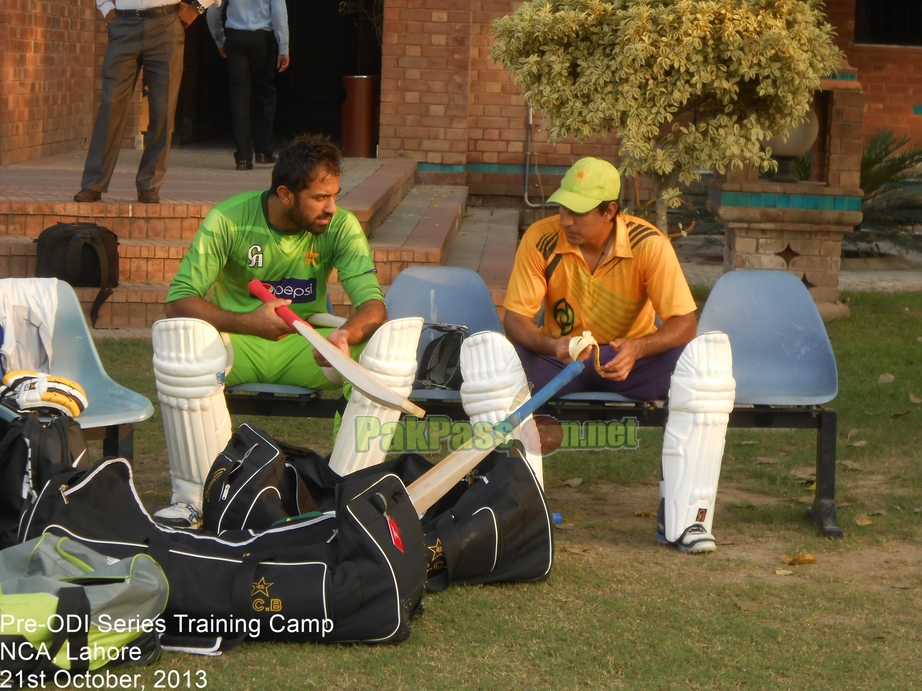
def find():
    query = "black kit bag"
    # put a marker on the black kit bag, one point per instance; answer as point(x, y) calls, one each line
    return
point(493, 527)
point(251, 485)
point(83, 254)
point(353, 574)
point(30, 448)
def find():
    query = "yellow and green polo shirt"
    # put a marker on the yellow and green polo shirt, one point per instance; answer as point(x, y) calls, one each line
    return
point(640, 278)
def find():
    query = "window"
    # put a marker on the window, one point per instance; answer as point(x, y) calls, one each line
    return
point(889, 22)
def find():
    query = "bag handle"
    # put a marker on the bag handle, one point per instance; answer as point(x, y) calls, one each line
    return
point(70, 601)
point(90, 236)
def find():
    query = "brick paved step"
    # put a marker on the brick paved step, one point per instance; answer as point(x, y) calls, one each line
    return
point(373, 200)
point(140, 261)
point(419, 230)
point(486, 243)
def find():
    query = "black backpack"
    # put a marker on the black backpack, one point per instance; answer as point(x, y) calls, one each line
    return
point(83, 254)
point(439, 365)
point(251, 485)
point(30, 446)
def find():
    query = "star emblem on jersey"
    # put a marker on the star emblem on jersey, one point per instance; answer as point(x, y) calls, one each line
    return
point(261, 586)
point(311, 257)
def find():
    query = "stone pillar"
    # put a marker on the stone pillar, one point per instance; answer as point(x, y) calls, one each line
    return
point(798, 226)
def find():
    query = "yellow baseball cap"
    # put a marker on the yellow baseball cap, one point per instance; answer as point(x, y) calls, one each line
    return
point(588, 183)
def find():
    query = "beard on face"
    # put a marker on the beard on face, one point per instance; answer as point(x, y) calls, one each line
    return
point(316, 225)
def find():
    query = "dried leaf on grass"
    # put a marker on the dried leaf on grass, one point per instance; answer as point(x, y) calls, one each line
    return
point(877, 512)
point(799, 559)
point(574, 481)
point(885, 378)
point(894, 416)
point(645, 514)
point(851, 433)
point(914, 399)
point(862, 519)
point(767, 461)
point(783, 572)
point(565, 526)
point(859, 444)
point(804, 472)
point(751, 606)
point(849, 465)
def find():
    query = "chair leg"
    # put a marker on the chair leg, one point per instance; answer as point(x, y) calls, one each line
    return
point(119, 441)
point(823, 510)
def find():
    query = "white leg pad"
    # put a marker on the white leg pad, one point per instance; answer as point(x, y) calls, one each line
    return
point(189, 368)
point(391, 355)
point(493, 378)
point(701, 396)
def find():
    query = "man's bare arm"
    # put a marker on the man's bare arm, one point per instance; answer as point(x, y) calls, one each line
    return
point(262, 322)
point(357, 329)
point(523, 331)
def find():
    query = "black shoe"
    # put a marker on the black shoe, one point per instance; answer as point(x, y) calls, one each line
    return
point(265, 158)
point(151, 196)
point(245, 165)
point(87, 195)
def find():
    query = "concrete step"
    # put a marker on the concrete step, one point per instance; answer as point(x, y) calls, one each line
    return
point(419, 230)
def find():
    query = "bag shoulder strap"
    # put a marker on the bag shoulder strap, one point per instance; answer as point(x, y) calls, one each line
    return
point(90, 236)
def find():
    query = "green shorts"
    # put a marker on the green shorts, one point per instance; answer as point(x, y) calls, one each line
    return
point(288, 361)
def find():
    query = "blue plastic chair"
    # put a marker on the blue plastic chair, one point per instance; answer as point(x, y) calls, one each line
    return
point(445, 294)
point(113, 410)
point(781, 352)
point(112, 407)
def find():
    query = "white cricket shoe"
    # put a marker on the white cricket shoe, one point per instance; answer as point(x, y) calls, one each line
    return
point(695, 539)
point(184, 516)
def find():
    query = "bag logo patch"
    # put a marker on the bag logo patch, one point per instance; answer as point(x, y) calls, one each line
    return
point(702, 514)
point(267, 604)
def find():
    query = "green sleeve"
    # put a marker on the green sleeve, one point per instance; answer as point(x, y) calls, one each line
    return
point(203, 263)
point(354, 263)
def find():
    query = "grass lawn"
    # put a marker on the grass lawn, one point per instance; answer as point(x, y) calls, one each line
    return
point(618, 611)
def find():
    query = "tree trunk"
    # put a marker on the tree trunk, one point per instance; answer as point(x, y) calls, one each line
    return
point(661, 220)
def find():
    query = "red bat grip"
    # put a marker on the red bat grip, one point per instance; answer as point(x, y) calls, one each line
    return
point(257, 289)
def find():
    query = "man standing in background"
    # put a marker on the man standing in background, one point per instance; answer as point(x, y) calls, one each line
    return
point(149, 34)
point(253, 36)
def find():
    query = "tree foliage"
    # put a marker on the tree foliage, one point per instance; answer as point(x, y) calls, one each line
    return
point(687, 85)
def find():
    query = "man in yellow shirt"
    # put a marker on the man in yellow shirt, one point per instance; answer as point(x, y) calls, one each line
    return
point(595, 269)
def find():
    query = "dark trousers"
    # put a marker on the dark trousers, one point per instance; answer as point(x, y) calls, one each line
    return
point(648, 381)
point(251, 65)
point(157, 46)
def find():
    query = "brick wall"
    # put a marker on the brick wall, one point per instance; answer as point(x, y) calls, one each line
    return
point(446, 104)
point(891, 76)
point(51, 54)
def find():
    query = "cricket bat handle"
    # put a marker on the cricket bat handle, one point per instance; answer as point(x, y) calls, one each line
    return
point(258, 289)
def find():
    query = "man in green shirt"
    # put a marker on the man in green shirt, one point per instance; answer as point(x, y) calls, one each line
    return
point(290, 237)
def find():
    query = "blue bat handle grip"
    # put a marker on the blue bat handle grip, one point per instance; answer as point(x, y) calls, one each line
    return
point(564, 377)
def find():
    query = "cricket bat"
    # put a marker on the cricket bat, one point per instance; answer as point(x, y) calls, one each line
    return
point(432, 486)
point(352, 371)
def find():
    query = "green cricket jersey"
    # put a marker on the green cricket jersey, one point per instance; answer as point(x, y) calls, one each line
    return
point(236, 244)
